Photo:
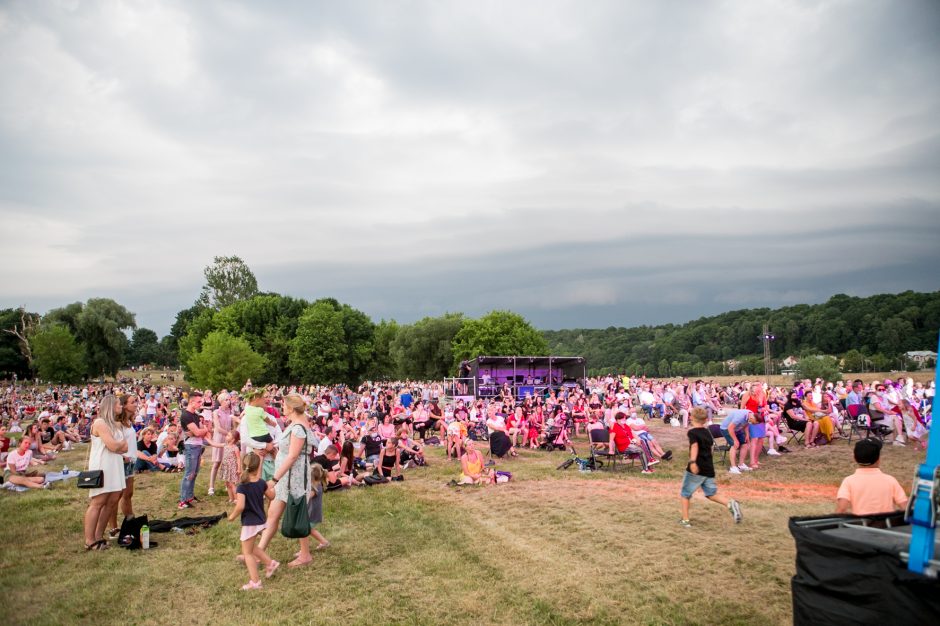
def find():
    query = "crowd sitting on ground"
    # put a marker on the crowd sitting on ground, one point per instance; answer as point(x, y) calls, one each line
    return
point(333, 438)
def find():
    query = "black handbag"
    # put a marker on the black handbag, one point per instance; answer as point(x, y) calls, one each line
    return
point(91, 479)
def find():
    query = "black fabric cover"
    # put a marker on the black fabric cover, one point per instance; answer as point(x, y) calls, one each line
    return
point(840, 581)
point(500, 444)
point(163, 526)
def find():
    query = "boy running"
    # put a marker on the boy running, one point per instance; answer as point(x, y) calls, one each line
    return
point(700, 471)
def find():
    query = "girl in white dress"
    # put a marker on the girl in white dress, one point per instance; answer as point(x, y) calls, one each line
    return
point(107, 447)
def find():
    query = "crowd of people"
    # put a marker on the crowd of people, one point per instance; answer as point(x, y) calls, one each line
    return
point(279, 443)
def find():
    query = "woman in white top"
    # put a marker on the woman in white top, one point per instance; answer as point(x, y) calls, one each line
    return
point(107, 446)
point(124, 417)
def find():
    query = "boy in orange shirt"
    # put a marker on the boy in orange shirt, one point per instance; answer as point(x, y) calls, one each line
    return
point(869, 490)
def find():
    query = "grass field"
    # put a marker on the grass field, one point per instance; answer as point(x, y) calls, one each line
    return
point(551, 547)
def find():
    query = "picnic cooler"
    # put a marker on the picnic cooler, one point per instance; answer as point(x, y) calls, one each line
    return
point(852, 570)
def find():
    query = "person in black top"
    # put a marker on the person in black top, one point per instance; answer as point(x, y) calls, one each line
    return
point(372, 443)
point(389, 460)
point(147, 452)
point(700, 472)
point(329, 461)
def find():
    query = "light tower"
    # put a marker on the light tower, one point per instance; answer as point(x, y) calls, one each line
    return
point(766, 337)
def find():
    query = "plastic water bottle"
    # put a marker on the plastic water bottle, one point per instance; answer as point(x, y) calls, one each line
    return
point(145, 537)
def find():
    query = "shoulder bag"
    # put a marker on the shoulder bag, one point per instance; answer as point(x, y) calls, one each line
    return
point(295, 523)
point(90, 479)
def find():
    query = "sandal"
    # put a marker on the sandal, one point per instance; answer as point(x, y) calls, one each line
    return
point(94, 545)
point(322, 546)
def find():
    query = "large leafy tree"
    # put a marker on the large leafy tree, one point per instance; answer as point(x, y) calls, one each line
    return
point(228, 280)
point(358, 338)
point(224, 362)
point(383, 365)
point(99, 325)
point(318, 352)
point(498, 333)
point(196, 331)
point(59, 358)
point(268, 322)
point(425, 349)
point(144, 348)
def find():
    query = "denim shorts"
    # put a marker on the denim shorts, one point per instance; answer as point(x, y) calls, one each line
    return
point(741, 432)
point(129, 469)
point(691, 482)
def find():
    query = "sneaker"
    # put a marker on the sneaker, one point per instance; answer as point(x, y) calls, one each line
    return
point(194, 500)
point(251, 585)
point(734, 470)
point(685, 523)
point(773, 452)
point(744, 468)
point(647, 471)
point(211, 492)
point(735, 509)
point(653, 462)
point(183, 505)
point(667, 456)
point(899, 444)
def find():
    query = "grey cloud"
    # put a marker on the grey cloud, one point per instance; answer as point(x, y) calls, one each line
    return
point(587, 165)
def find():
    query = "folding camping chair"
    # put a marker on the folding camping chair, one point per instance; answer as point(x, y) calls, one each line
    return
point(796, 435)
point(862, 421)
point(719, 443)
point(600, 448)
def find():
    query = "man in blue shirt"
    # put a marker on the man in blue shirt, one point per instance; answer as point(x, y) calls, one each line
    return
point(735, 430)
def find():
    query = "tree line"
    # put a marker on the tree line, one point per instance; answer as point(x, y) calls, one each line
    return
point(870, 333)
point(233, 332)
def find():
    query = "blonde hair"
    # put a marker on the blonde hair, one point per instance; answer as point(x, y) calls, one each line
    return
point(294, 403)
point(107, 411)
point(318, 474)
point(250, 464)
point(699, 415)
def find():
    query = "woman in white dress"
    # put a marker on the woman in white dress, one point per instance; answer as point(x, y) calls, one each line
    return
point(107, 447)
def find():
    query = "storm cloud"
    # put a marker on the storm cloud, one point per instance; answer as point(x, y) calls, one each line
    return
point(584, 164)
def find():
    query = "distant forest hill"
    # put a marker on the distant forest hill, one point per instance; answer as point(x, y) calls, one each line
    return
point(878, 329)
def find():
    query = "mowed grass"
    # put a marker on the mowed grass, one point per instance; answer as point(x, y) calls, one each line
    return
point(551, 547)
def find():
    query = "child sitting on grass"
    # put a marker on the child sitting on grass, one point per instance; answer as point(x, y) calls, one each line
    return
point(249, 504)
point(700, 472)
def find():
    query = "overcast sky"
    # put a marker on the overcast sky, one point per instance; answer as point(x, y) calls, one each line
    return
point(583, 163)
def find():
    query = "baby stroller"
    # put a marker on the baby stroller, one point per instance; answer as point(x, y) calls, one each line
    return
point(556, 436)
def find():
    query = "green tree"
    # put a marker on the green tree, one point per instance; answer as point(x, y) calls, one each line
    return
point(144, 348)
point(825, 367)
point(318, 353)
point(59, 358)
point(196, 331)
point(383, 365)
point(268, 322)
point(424, 350)
point(99, 325)
point(895, 336)
point(168, 355)
point(228, 280)
point(498, 333)
point(224, 362)
point(17, 326)
point(853, 361)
